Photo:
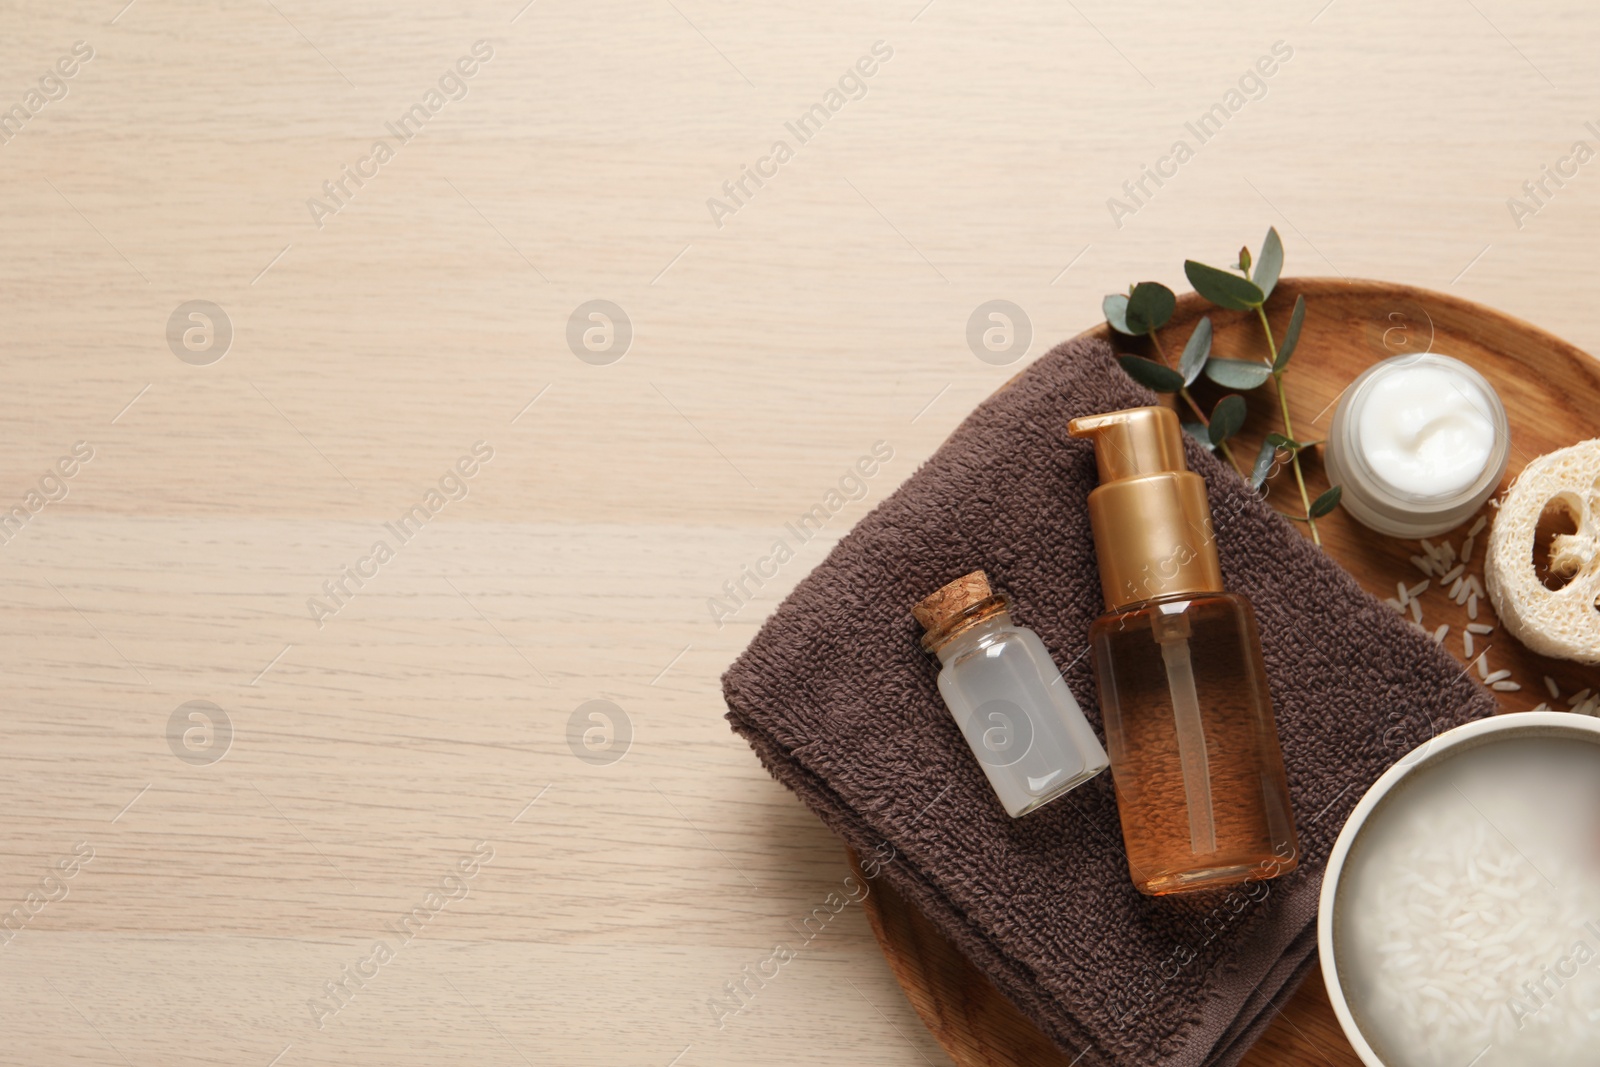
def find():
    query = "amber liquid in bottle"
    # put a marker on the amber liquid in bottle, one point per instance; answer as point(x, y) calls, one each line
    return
point(1200, 785)
point(1193, 746)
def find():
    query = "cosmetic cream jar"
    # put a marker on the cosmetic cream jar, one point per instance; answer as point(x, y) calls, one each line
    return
point(1419, 442)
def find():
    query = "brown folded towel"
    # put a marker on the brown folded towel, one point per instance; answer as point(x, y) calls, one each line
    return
point(839, 702)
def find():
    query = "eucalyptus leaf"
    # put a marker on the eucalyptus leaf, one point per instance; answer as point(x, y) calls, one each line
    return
point(1150, 305)
point(1270, 263)
point(1152, 375)
point(1278, 440)
point(1221, 288)
point(1291, 336)
point(1196, 352)
point(1263, 465)
point(1226, 418)
point(1326, 502)
point(1237, 373)
point(1115, 305)
point(1198, 431)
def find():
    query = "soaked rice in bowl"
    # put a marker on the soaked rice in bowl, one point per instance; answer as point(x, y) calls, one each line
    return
point(1467, 925)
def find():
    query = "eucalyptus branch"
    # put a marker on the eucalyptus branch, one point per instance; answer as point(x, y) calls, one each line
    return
point(1288, 424)
point(1148, 306)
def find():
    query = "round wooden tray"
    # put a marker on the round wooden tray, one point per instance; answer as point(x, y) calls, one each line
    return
point(1550, 389)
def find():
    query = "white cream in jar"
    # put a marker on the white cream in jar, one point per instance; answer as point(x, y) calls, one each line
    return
point(1419, 443)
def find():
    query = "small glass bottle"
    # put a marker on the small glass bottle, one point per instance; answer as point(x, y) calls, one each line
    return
point(1183, 690)
point(1008, 697)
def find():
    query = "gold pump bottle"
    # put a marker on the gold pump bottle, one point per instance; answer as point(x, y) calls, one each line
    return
point(1183, 690)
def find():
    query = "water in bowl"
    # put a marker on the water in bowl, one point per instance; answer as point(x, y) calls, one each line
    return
point(1467, 924)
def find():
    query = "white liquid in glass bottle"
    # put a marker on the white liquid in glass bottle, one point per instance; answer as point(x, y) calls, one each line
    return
point(1007, 696)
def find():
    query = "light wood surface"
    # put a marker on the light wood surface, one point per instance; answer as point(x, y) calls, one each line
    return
point(370, 353)
point(1552, 393)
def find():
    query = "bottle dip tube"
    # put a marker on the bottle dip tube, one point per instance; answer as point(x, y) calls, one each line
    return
point(1183, 690)
point(1008, 696)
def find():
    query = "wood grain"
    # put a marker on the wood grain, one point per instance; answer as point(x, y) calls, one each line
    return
point(1551, 391)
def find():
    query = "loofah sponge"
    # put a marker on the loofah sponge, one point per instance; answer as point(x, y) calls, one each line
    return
point(1565, 622)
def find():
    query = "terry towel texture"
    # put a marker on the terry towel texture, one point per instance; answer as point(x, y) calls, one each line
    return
point(840, 703)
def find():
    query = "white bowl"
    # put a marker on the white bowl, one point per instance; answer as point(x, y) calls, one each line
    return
point(1543, 724)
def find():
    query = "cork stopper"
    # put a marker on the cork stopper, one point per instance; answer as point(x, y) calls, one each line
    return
point(963, 602)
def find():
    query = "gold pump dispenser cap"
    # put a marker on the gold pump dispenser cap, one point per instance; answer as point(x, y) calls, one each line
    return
point(1150, 515)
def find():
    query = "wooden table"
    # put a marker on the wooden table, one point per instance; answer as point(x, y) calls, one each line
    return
point(268, 374)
